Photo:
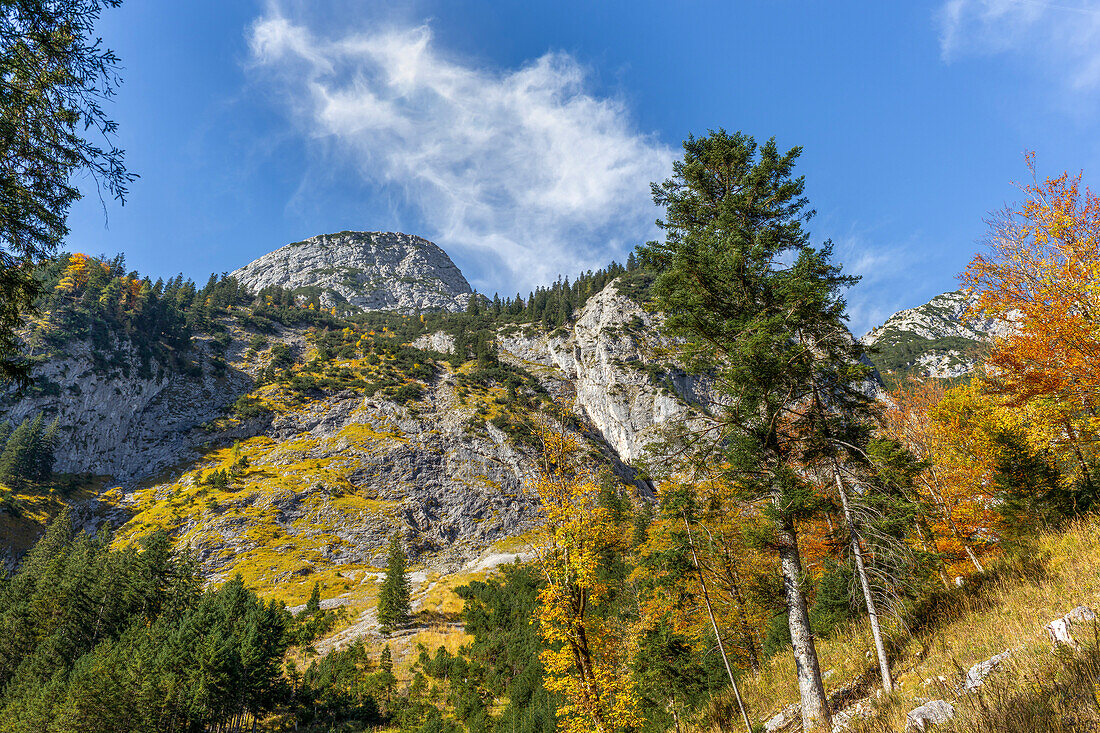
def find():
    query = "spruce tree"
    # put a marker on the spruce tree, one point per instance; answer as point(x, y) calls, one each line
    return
point(44, 449)
point(53, 126)
point(761, 310)
point(313, 605)
point(18, 459)
point(394, 596)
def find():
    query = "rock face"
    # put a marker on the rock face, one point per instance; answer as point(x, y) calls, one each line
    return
point(368, 270)
point(612, 365)
point(327, 484)
point(123, 423)
point(328, 479)
point(932, 340)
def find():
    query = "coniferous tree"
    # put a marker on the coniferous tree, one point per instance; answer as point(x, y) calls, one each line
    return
point(44, 452)
point(762, 310)
point(394, 597)
point(52, 125)
point(18, 459)
point(313, 605)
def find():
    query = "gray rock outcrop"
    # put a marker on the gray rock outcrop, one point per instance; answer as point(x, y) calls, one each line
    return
point(614, 362)
point(1061, 629)
point(439, 341)
point(976, 675)
point(929, 715)
point(368, 270)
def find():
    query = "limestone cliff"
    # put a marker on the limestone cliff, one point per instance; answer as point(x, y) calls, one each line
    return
point(314, 483)
point(120, 423)
point(617, 369)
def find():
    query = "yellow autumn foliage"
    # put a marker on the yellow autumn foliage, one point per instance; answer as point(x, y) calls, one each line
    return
point(586, 658)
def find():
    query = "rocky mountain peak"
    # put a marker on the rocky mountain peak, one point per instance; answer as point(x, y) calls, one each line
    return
point(937, 339)
point(368, 270)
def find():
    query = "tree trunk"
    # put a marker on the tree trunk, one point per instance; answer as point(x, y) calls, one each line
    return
point(714, 625)
point(973, 558)
point(861, 571)
point(815, 706)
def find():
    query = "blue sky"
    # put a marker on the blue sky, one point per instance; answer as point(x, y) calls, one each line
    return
point(522, 136)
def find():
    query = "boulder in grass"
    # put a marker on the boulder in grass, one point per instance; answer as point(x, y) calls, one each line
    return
point(928, 715)
point(784, 719)
point(1060, 630)
point(976, 675)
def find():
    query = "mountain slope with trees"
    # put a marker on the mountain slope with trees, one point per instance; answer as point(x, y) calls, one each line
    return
point(714, 522)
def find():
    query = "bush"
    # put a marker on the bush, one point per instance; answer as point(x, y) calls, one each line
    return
point(248, 408)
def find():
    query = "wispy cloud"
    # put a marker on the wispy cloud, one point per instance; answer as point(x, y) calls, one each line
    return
point(1061, 38)
point(526, 170)
point(886, 276)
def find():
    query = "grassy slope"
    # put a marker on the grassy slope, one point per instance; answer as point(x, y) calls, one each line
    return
point(31, 508)
point(1006, 609)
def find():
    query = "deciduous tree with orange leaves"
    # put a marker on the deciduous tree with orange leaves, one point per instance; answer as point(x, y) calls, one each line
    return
point(947, 429)
point(1040, 277)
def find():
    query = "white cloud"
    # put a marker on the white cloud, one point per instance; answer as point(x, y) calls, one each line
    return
point(525, 166)
point(1061, 38)
point(886, 272)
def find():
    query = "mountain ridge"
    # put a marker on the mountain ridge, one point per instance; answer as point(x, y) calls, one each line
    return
point(937, 339)
point(370, 421)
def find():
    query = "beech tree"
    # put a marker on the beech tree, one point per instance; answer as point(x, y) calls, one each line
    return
point(954, 483)
point(1038, 279)
point(757, 307)
point(585, 656)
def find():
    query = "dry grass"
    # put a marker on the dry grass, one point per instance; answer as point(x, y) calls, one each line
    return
point(1006, 609)
point(448, 636)
point(36, 507)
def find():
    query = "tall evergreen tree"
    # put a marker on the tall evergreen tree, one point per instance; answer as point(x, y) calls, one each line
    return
point(759, 308)
point(394, 597)
point(44, 451)
point(56, 75)
point(17, 462)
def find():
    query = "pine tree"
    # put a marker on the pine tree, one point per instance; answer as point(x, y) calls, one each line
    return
point(394, 598)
